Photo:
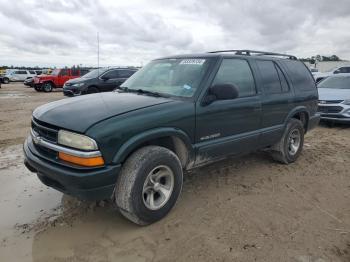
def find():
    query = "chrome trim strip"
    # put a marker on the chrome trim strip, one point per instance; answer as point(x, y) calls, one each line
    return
point(42, 142)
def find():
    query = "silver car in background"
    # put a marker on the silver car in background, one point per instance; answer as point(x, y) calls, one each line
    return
point(334, 99)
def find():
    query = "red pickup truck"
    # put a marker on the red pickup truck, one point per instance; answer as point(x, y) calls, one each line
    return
point(57, 78)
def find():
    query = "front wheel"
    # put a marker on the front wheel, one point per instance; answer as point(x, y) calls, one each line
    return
point(6, 80)
point(47, 87)
point(149, 185)
point(92, 90)
point(288, 149)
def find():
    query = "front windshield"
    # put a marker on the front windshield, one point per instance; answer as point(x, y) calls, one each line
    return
point(94, 73)
point(55, 72)
point(335, 83)
point(175, 76)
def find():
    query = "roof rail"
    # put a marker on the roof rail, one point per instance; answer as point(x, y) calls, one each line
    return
point(252, 52)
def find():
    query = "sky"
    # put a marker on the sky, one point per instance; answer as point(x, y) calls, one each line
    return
point(133, 32)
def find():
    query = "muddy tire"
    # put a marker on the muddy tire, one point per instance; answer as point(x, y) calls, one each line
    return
point(288, 149)
point(47, 87)
point(6, 80)
point(149, 185)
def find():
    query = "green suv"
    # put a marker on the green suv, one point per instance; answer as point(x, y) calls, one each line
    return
point(177, 113)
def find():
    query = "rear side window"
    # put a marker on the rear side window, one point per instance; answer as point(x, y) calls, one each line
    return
point(21, 72)
point(125, 73)
point(238, 73)
point(270, 79)
point(299, 75)
point(283, 80)
point(113, 74)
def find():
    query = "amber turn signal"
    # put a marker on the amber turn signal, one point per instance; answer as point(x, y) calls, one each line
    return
point(81, 161)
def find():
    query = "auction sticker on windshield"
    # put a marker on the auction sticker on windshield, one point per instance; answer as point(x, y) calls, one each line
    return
point(192, 62)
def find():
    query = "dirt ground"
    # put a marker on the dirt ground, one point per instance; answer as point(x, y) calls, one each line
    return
point(246, 209)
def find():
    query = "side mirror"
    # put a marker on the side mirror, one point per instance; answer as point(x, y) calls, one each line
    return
point(221, 92)
point(337, 71)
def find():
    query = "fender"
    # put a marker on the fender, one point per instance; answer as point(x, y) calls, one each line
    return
point(296, 110)
point(134, 142)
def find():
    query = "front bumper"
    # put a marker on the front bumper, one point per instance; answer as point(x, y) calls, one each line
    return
point(72, 91)
point(83, 183)
point(338, 113)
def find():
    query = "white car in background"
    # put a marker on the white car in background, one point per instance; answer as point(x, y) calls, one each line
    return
point(18, 75)
point(334, 99)
point(341, 70)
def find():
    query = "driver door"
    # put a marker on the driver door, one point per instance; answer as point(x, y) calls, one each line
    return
point(229, 127)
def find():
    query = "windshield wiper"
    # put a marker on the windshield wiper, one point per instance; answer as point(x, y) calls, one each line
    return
point(140, 91)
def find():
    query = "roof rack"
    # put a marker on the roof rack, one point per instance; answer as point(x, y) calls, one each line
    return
point(252, 52)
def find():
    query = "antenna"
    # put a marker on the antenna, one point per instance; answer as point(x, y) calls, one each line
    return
point(98, 53)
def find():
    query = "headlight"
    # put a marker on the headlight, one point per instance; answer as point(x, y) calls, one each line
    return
point(76, 140)
point(346, 102)
point(78, 85)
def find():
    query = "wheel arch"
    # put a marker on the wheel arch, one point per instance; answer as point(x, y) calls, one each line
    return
point(171, 138)
point(51, 82)
point(301, 113)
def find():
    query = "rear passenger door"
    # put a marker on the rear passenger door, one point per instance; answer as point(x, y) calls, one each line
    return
point(277, 100)
point(227, 127)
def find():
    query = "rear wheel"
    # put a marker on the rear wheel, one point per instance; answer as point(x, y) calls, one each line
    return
point(6, 80)
point(47, 87)
point(149, 185)
point(288, 149)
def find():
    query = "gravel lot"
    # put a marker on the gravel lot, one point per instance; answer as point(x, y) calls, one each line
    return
point(246, 209)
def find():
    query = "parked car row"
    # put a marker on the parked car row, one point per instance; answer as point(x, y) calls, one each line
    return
point(334, 99)
point(19, 75)
point(98, 80)
point(57, 78)
point(342, 70)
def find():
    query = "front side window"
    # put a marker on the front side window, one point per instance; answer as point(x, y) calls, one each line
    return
point(173, 76)
point(55, 72)
point(238, 73)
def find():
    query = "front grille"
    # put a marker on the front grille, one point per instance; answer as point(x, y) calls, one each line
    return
point(330, 101)
point(46, 131)
point(330, 109)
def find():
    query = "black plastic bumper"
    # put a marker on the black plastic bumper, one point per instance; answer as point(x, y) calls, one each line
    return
point(85, 184)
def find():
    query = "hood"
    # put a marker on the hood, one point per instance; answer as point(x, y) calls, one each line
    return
point(80, 113)
point(333, 94)
point(44, 77)
point(76, 80)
